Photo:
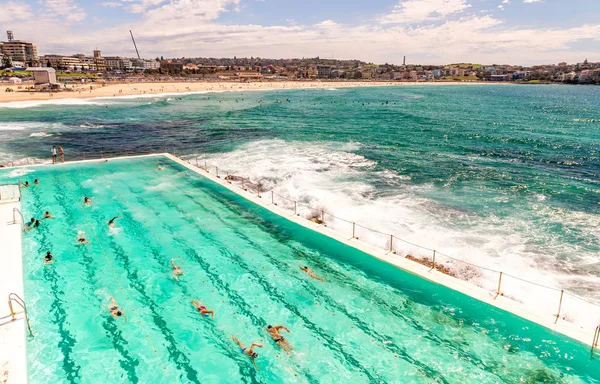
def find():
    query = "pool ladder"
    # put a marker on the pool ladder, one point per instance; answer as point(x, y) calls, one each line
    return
point(15, 211)
point(595, 342)
point(14, 298)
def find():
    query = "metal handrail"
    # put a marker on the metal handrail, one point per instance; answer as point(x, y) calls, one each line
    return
point(22, 218)
point(17, 299)
point(595, 341)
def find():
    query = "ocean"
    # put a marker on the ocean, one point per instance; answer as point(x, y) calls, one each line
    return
point(502, 176)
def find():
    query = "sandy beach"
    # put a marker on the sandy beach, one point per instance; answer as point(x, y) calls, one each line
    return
point(91, 90)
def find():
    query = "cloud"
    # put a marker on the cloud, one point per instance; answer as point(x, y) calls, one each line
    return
point(186, 11)
point(11, 11)
point(112, 4)
point(532, 1)
point(143, 5)
point(68, 9)
point(414, 11)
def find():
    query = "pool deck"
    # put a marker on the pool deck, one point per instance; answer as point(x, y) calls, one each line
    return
point(13, 357)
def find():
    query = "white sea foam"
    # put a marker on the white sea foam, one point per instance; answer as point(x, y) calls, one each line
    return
point(19, 172)
point(333, 178)
point(40, 134)
point(41, 103)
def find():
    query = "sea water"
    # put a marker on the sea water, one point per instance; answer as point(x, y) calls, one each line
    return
point(503, 176)
point(368, 322)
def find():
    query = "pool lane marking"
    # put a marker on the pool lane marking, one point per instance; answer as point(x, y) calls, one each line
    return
point(68, 341)
point(292, 309)
point(178, 257)
point(260, 281)
point(117, 339)
point(118, 282)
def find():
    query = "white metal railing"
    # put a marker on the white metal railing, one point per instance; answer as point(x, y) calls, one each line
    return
point(595, 341)
point(9, 192)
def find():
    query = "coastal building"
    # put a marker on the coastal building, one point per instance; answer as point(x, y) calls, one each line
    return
point(323, 71)
point(171, 67)
point(19, 51)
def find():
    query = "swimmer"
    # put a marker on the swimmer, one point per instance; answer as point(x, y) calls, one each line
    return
point(176, 270)
point(47, 215)
point(280, 340)
point(159, 168)
point(202, 309)
point(81, 238)
point(37, 224)
point(111, 222)
point(36, 182)
point(29, 225)
point(248, 351)
point(310, 273)
point(114, 309)
point(87, 200)
point(48, 258)
point(25, 184)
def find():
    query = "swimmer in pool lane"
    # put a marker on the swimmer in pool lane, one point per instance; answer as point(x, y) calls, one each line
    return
point(176, 270)
point(111, 222)
point(81, 238)
point(202, 309)
point(310, 273)
point(114, 309)
point(280, 340)
point(47, 215)
point(29, 225)
point(87, 200)
point(248, 351)
point(48, 258)
point(24, 185)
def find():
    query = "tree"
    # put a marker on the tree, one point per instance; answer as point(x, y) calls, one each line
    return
point(49, 64)
point(358, 75)
point(6, 62)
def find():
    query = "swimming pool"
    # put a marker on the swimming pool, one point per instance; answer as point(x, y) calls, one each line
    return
point(369, 322)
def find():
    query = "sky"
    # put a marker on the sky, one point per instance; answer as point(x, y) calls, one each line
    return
point(523, 32)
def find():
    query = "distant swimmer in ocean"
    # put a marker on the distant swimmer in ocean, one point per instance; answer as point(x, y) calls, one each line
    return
point(280, 340)
point(47, 215)
point(48, 258)
point(114, 309)
point(176, 270)
point(36, 182)
point(202, 309)
point(81, 238)
point(87, 200)
point(111, 222)
point(248, 351)
point(310, 273)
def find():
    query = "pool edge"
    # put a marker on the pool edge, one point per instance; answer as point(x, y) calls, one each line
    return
point(570, 330)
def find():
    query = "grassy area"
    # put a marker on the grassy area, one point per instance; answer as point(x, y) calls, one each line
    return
point(461, 78)
point(76, 74)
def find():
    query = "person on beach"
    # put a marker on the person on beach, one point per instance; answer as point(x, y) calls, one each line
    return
point(248, 351)
point(36, 182)
point(111, 222)
point(310, 273)
point(279, 339)
point(202, 309)
point(61, 153)
point(114, 309)
point(87, 200)
point(47, 215)
point(25, 184)
point(53, 154)
point(48, 258)
point(176, 270)
point(81, 238)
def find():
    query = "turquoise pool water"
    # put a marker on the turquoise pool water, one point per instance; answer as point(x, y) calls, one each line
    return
point(368, 323)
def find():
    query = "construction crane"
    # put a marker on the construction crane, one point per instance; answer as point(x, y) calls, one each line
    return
point(136, 50)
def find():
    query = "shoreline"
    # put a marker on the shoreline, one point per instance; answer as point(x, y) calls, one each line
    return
point(145, 89)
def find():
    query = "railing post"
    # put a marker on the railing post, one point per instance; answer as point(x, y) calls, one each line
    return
point(322, 216)
point(258, 190)
point(559, 305)
point(433, 267)
point(197, 163)
point(102, 154)
point(353, 230)
point(272, 199)
point(391, 243)
point(295, 206)
point(499, 283)
point(243, 184)
point(205, 167)
point(217, 169)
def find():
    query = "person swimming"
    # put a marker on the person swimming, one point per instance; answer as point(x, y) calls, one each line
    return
point(111, 222)
point(310, 273)
point(37, 224)
point(278, 338)
point(87, 200)
point(176, 270)
point(36, 182)
point(47, 215)
point(25, 184)
point(114, 309)
point(202, 309)
point(81, 238)
point(29, 225)
point(248, 351)
point(48, 258)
